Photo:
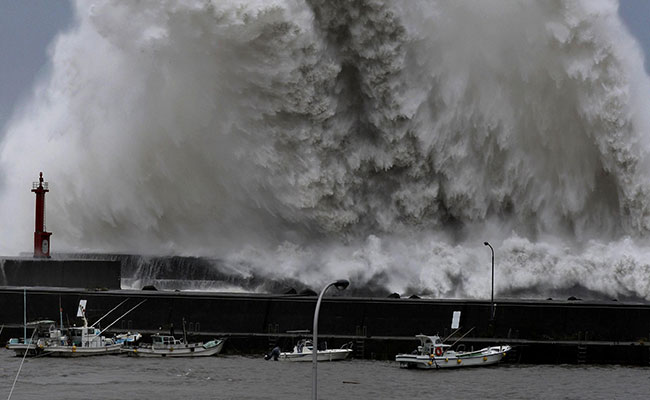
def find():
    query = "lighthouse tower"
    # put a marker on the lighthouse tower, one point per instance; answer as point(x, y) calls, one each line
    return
point(41, 238)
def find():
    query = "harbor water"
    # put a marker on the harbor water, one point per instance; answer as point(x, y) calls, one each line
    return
point(244, 377)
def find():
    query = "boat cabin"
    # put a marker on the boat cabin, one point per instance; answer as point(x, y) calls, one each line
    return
point(303, 345)
point(431, 345)
point(160, 341)
point(86, 337)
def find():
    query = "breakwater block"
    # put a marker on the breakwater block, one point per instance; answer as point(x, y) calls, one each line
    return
point(60, 273)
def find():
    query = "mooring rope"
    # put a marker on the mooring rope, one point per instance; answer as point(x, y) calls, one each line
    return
point(21, 364)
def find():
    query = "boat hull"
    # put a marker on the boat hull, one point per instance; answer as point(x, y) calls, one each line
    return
point(322, 355)
point(484, 357)
point(20, 349)
point(74, 351)
point(190, 350)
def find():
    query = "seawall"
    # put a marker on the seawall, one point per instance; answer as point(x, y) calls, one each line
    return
point(542, 331)
point(75, 273)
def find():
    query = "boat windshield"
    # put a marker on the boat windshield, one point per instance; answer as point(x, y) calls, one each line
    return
point(163, 340)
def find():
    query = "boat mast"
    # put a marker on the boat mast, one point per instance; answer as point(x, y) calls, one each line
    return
point(121, 316)
point(60, 315)
point(184, 332)
point(466, 333)
point(105, 315)
point(24, 315)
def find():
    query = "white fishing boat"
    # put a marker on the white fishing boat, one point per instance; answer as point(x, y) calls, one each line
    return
point(87, 340)
point(169, 346)
point(44, 333)
point(128, 338)
point(432, 353)
point(304, 351)
point(83, 341)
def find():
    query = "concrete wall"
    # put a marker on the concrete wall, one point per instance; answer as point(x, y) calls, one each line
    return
point(60, 273)
point(343, 316)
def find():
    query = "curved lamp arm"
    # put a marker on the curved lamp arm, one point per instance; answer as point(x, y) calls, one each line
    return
point(341, 284)
point(492, 295)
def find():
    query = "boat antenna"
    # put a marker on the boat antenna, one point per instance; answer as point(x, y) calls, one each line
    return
point(184, 331)
point(452, 334)
point(466, 333)
point(83, 315)
point(105, 315)
point(61, 315)
point(24, 315)
point(122, 316)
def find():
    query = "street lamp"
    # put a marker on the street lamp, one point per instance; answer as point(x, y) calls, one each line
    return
point(491, 298)
point(340, 285)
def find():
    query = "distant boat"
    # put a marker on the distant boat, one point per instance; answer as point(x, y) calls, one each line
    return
point(304, 351)
point(433, 354)
point(169, 346)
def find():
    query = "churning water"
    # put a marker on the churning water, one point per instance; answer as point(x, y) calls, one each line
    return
point(240, 378)
point(375, 140)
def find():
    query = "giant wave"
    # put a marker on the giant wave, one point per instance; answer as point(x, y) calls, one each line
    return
point(379, 141)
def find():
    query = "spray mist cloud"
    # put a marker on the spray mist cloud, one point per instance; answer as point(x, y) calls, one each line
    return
point(376, 140)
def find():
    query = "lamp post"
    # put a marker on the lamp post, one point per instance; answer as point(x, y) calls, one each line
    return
point(340, 285)
point(492, 297)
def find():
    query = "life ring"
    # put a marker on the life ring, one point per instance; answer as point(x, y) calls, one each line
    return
point(438, 351)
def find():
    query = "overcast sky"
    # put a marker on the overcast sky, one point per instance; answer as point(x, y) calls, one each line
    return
point(27, 27)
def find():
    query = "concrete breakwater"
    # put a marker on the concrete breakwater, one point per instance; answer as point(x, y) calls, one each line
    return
point(546, 331)
point(70, 272)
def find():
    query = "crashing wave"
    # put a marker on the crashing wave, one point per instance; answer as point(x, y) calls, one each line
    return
point(373, 140)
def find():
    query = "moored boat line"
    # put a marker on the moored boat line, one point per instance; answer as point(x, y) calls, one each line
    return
point(304, 351)
point(44, 333)
point(169, 346)
point(82, 341)
point(432, 353)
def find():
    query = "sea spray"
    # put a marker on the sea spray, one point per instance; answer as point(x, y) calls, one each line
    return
point(373, 140)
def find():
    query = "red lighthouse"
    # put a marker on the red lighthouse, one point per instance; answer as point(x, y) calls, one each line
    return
point(41, 238)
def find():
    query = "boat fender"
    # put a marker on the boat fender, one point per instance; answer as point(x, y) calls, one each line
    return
point(430, 363)
point(458, 361)
point(74, 348)
point(484, 358)
point(446, 360)
point(438, 351)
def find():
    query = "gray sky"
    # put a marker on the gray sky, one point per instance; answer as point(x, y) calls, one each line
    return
point(636, 14)
point(27, 27)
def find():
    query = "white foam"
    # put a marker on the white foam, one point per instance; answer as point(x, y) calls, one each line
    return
point(384, 143)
